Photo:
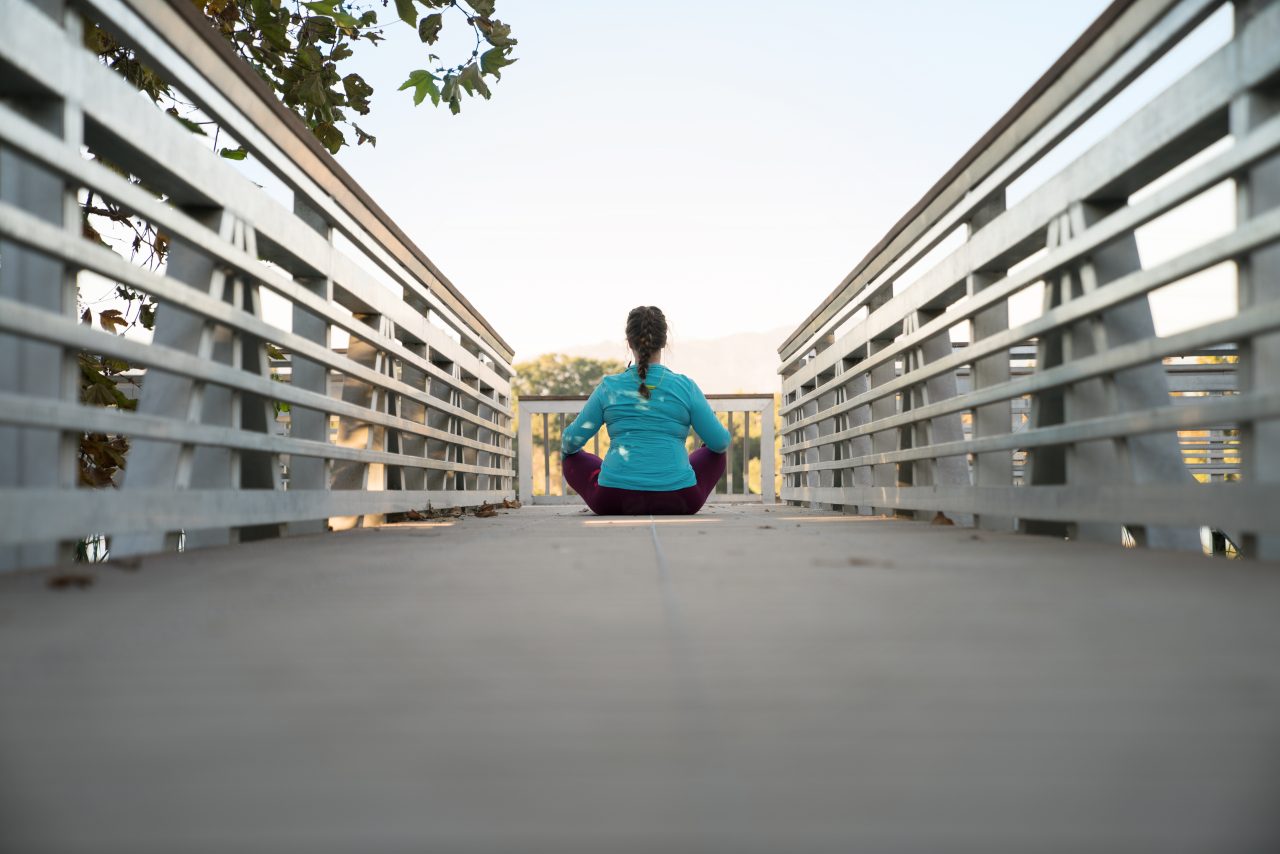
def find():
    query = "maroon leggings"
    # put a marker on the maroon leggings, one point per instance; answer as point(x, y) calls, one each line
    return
point(582, 470)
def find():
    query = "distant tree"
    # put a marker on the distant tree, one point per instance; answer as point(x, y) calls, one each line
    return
point(556, 373)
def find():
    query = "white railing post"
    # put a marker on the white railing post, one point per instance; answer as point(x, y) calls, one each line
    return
point(768, 470)
point(526, 453)
point(1258, 192)
point(40, 457)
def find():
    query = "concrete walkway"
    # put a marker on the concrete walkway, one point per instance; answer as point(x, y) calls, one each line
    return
point(744, 681)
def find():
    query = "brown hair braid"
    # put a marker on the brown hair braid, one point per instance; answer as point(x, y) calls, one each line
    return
point(646, 333)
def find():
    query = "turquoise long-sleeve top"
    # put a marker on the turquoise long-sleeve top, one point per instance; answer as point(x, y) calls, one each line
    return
point(646, 437)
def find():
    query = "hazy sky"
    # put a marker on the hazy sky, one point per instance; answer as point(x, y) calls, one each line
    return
point(727, 161)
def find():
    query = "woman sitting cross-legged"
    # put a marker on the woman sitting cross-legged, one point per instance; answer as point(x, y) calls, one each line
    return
point(649, 410)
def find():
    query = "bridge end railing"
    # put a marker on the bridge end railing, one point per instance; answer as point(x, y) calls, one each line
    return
point(750, 474)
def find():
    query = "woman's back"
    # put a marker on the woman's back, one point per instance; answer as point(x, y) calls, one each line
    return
point(646, 436)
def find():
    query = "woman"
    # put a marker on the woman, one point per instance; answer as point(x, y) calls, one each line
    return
point(649, 410)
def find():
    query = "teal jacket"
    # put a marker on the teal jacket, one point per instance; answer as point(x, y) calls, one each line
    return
point(646, 437)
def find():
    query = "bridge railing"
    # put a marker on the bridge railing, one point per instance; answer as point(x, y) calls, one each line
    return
point(1025, 279)
point(750, 474)
point(397, 391)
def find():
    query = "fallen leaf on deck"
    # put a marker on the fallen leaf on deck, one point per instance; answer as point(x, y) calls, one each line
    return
point(484, 511)
point(511, 504)
point(941, 520)
point(69, 580)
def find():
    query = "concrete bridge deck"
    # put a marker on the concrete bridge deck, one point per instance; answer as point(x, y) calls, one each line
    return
point(748, 680)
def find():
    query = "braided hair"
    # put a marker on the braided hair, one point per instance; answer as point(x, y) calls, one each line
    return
point(646, 334)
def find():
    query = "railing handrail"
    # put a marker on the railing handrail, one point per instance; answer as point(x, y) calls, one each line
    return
point(1102, 42)
point(189, 33)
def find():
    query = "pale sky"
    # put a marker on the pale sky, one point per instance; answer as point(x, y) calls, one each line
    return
point(727, 161)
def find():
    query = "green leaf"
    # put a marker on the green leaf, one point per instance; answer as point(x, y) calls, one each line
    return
point(450, 93)
point(271, 21)
point(471, 80)
point(423, 83)
point(186, 122)
point(98, 395)
point(330, 137)
point(233, 153)
point(407, 11)
point(495, 59)
point(429, 28)
point(358, 92)
point(484, 8)
point(318, 28)
point(335, 11)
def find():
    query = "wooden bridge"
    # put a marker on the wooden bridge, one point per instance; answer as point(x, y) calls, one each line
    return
point(909, 622)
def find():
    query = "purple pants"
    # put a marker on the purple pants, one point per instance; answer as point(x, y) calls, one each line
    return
point(582, 470)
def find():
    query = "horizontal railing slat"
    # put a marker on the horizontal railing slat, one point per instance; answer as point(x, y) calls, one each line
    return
point(1265, 141)
point(1136, 353)
point(1207, 412)
point(47, 149)
point(58, 514)
point(1257, 232)
point(1224, 506)
point(44, 326)
point(1100, 64)
point(22, 411)
point(208, 72)
point(26, 229)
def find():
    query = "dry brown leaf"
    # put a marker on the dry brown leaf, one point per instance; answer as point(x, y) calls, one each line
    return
point(941, 520)
point(70, 579)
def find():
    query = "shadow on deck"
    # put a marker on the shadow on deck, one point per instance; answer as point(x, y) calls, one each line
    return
point(747, 680)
